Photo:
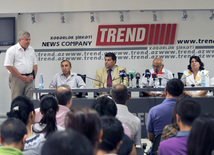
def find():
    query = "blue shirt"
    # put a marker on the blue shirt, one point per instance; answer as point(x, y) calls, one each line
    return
point(160, 116)
point(73, 80)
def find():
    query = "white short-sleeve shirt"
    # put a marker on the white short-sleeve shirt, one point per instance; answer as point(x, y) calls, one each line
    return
point(22, 60)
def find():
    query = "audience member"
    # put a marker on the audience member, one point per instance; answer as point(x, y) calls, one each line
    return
point(66, 143)
point(160, 115)
point(105, 106)
point(64, 97)
point(112, 136)
point(22, 108)
point(171, 130)
point(48, 108)
point(187, 111)
point(87, 122)
point(201, 138)
point(120, 94)
point(13, 135)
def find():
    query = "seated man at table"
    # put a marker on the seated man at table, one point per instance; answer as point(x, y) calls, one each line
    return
point(67, 77)
point(157, 66)
point(108, 76)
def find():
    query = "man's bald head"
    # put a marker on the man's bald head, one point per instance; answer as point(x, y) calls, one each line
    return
point(119, 93)
point(63, 94)
point(157, 64)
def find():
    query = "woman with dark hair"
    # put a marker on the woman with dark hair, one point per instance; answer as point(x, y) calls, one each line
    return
point(48, 108)
point(22, 108)
point(192, 76)
point(201, 138)
point(106, 106)
point(87, 122)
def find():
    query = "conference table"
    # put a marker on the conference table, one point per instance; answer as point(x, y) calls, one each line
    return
point(137, 105)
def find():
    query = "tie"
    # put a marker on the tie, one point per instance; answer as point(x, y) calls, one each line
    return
point(109, 81)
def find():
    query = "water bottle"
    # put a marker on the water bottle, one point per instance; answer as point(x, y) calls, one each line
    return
point(203, 79)
point(41, 82)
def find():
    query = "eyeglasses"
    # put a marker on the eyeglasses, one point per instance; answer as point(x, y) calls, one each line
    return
point(156, 66)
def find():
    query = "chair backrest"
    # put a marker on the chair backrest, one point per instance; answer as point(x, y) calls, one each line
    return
point(180, 75)
point(156, 144)
point(84, 77)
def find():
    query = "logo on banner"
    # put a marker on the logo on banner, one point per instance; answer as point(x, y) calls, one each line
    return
point(140, 34)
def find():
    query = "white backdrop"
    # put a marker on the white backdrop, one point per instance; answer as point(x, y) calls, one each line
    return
point(197, 26)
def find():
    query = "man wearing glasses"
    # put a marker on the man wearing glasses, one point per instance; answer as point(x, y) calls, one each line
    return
point(157, 66)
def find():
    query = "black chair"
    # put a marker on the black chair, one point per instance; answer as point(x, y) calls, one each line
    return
point(80, 95)
point(180, 75)
point(155, 145)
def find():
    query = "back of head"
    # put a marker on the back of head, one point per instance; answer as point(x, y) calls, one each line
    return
point(21, 107)
point(105, 106)
point(119, 93)
point(67, 142)
point(63, 94)
point(84, 120)
point(175, 87)
point(112, 133)
point(112, 55)
point(201, 138)
point(12, 131)
point(188, 110)
point(49, 108)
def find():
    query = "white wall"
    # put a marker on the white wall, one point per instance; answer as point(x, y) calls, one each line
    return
point(197, 26)
point(28, 6)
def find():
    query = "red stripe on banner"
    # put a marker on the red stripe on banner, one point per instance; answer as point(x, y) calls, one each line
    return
point(172, 40)
point(162, 34)
point(151, 34)
point(157, 33)
point(168, 30)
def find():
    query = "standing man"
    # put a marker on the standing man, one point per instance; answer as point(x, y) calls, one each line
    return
point(108, 76)
point(157, 66)
point(20, 60)
point(67, 77)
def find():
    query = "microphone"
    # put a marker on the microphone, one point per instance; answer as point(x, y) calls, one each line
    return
point(147, 75)
point(154, 76)
point(137, 76)
point(91, 79)
point(160, 77)
point(132, 74)
point(156, 71)
point(122, 74)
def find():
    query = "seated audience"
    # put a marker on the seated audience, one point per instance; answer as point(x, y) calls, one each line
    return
point(187, 111)
point(201, 138)
point(64, 97)
point(48, 108)
point(112, 136)
point(171, 130)
point(13, 135)
point(87, 122)
point(192, 76)
point(120, 95)
point(66, 143)
point(105, 106)
point(22, 108)
point(161, 114)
